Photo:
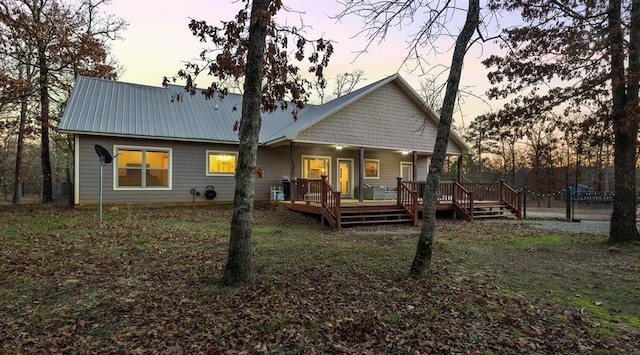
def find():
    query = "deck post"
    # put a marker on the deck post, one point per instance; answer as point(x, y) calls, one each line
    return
point(524, 202)
point(414, 197)
point(294, 190)
point(471, 193)
point(292, 166)
point(519, 205)
point(502, 183)
point(399, 191)
point(323, 190)
point(361, 176)
point(338, 212)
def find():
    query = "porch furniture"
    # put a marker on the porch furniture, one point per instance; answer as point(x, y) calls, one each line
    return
point(380, 193)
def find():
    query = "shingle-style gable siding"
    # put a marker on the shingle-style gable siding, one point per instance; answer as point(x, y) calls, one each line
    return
point(385, 118)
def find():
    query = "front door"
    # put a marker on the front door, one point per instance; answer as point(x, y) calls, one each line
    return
point(406, 170)
point(345, 177)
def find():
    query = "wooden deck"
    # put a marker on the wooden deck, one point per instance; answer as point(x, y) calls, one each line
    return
point(469, 201)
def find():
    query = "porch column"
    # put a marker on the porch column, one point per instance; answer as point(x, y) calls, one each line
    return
point(460, 168)
point(361, 175)
point(414, 171)
point(292, 167)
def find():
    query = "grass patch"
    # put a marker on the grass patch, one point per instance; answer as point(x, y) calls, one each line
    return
point(540, 240)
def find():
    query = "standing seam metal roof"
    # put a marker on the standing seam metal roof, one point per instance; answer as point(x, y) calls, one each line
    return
point(107, 107)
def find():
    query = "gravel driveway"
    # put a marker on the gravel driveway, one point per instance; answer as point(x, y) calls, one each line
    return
point(587, 220)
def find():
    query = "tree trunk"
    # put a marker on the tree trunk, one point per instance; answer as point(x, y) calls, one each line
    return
point(625, 107)
point(20, 147)
point(239, 267)
point(45, 157)
point(422, 260)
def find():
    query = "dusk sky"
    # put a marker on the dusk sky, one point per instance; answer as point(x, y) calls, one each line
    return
point(157, 42)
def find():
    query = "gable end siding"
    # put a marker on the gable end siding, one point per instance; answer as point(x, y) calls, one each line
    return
point(385, 118)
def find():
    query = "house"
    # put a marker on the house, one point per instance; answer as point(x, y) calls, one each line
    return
point(168, 146)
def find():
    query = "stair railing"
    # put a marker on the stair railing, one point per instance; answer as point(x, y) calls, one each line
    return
point(511, 197)
point(330, 199)
point(463, 200)
point(407, 197)
point(321, 192)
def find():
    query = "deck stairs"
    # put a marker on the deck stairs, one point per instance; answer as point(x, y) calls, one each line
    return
point(492, 209)
point(351, 216)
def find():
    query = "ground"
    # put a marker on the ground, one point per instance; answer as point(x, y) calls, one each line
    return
point(146, 281)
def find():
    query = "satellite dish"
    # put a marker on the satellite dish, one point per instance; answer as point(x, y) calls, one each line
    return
point(105, 158)
point(104, 154)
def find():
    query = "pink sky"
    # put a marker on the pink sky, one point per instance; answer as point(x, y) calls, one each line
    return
point(157, 42)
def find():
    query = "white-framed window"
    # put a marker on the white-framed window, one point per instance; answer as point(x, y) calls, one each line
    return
point(147, 168)
point(371, 168)
point(221, 163)
point(313, 167)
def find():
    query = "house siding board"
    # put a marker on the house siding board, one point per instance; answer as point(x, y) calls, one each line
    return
point(188, 171)
point(366, 122)
point(389, 164)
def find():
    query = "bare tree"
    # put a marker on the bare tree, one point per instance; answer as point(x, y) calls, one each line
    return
point(58, 41)
point(379, 17)
point(341, 84)
point(569, 55)
point(271, 83)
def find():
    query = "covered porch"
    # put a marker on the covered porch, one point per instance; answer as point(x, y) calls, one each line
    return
point(467, 200)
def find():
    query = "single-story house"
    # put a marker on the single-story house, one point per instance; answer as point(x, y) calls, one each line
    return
point(169, 146)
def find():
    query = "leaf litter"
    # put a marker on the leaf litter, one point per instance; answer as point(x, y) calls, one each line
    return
point(145, 281)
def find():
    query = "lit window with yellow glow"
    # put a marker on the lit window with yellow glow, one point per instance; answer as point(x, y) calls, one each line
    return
point(142, 168)
point(314, 167)
point(371, 169)
point(221, 163)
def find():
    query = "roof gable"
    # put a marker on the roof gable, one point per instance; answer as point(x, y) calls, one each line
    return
point(384, 118)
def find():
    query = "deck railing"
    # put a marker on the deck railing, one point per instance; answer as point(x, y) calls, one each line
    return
point(407, 197)
point(462, 196)
point(462, 199)
point(511, 197)
point(319, 191)
point(484, 191)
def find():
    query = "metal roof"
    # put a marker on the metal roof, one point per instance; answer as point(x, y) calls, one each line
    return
point(99, 106)
point(106, 107)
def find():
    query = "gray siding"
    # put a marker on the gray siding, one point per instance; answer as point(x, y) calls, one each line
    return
point(188, 171)
point(385, 118)
point(189, 165)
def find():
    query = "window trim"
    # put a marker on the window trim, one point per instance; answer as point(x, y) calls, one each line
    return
point(213, 151)
point(324, 157)
point(117, 148)
point(364, 168)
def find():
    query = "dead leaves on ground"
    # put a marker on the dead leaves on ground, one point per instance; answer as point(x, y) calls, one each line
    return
point(147, 283)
